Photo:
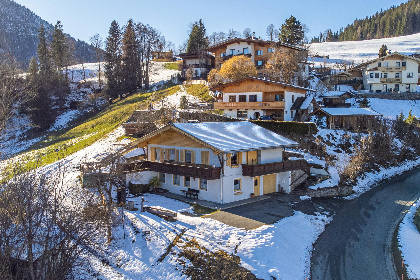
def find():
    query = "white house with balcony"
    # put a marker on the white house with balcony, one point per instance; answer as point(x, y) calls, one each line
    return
point(252, 98)
point(392, 73)
point(222, 162)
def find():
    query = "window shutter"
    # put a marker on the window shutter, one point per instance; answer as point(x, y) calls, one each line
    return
point(192, 156)
point(205, 157)
point(166, 154)
point(182, 156)
point(239, 156)
point(152, 154)
point(228, 162)
point(177, 155)
point(162, 155)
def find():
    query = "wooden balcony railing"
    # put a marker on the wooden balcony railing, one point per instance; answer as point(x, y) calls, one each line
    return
point(249, 105)
point(179, 168)
point(392, 68)
point(275, 167)
point(391, 80)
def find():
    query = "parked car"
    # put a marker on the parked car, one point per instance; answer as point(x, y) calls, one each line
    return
point(266, 118)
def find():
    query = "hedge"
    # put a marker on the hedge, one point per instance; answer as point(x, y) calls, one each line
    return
point(284, 127)
point(417, 219)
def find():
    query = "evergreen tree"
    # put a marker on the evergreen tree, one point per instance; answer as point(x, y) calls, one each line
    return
point(364, 103)
point(197, 40)
point(292, 32)
point(130, 57)
point(113, 60)
point(383, 51)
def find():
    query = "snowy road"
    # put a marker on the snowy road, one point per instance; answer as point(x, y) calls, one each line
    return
point(357, 243)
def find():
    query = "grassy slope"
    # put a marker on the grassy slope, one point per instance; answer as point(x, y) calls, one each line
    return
point(93, 129)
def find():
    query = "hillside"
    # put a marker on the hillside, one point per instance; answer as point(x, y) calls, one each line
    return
point(396, 21)
point(19, 35)
point(358, 51)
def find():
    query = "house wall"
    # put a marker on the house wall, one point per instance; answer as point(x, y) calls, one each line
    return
point(289, 98)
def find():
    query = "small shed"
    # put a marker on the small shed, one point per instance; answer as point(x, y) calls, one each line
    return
point(359, 119)
point(303, 107)
point(335, 99)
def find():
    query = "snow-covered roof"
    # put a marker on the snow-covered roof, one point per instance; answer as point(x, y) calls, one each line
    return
point(350, 111)
point(332, 94)
point(134, 153)
point(235, 136)
point(306, 103)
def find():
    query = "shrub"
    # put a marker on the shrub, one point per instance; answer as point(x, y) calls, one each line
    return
point(135, 189)
point(280, 127)
point(155, 182)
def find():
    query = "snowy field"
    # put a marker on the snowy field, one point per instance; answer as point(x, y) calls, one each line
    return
point(362, 51)
point(409, 241)
point(391, 108)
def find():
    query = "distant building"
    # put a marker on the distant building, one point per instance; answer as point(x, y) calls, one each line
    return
point(252, 98)
point(392, 73)
point(303, 107)
point(221, 162)
point(199, 64)
point(356, 119)
point(336, 99)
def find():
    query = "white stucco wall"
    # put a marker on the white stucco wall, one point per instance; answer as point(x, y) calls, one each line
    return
point(226, 96)
point(238, 47)
point(288, 98)
point(271, 155)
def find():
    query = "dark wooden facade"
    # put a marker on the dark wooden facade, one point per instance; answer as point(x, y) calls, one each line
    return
point(275, 167)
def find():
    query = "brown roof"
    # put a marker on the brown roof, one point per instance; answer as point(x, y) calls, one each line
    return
point(250, 40)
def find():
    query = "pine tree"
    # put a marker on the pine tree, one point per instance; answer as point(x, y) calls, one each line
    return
point(113, 60)
point(130, 57)
point(383, 51)
point(292, 32)
point(364, 103)
point(197, 40)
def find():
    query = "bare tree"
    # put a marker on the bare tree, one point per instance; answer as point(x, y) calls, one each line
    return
point(97, 42)
point(270, 31)
point(234, 34)
point(247, 33)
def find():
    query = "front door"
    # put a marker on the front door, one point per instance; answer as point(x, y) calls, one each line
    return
point(256, 186)
point(269, 183)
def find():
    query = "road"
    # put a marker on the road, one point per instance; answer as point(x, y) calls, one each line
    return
point(357, 243)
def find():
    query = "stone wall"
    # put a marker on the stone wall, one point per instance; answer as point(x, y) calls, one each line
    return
point(330, 191)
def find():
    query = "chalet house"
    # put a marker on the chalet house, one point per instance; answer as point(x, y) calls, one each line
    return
point(357, 119)
point(222, 161)
point(199, 64)
point(392, 73)
point(252, 98)
point(303, 107)
point(335, 99)
point(258, 50)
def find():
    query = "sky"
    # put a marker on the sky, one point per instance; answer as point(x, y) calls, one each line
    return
point(84, 18)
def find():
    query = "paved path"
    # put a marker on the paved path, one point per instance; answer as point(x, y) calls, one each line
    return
point(357, 243)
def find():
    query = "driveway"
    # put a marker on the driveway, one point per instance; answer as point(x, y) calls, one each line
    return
point(357, 243)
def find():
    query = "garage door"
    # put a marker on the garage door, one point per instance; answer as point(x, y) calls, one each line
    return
point(269, 184)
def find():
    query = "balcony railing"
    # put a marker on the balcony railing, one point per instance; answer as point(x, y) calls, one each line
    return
point(275, 167)
point(179, 168)
point(392, 68)
point(249, 105)
point(227, 57)
point(391, 80)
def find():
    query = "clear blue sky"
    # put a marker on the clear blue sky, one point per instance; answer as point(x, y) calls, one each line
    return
point(84, 18)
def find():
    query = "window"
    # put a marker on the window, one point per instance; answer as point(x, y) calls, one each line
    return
point(242, 114)
point(256, 183)
point(259, 63)
point(410, 75)
point(188, 156)
point(237, 185)
point(397, 87)
point(253, 98)
point(162, 177)
point(232, 52)
point(385, 75)
point(242, 98)
point(397, 75)
point(398, 64)
point(234, 159)
point(376, 75)
point(371, 75)
point(291, 114)
point(277, 97)
point(293, 98)
point(379, 64)
point(404, 63)
point(203, 184)
point(259, 52)
point(222, 54)
point(246, 51)
point(172, 154)
point(177, 179)
point(187, 181)
point(232, 98)
point(270, 50)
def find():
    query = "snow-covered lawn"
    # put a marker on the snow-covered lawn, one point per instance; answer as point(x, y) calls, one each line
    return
point(409, 240)
point(391, 108)
point(174, 100)
point(359, 51)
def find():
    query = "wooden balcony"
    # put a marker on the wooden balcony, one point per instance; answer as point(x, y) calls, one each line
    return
point(391, 80)
point(249, 105)
point(179, 168)
point(393, 68)
point(275, 167)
